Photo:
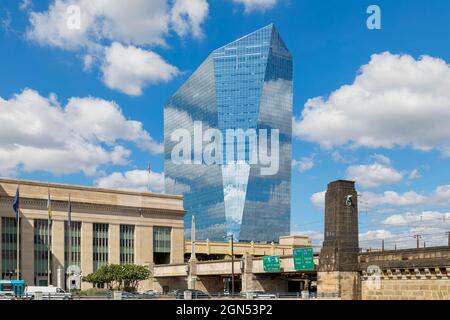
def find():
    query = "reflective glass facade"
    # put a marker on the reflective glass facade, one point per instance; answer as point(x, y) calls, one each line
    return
point(246, 85)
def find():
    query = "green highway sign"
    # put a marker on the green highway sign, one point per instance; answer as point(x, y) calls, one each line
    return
point(304, 259)
point(271, 264)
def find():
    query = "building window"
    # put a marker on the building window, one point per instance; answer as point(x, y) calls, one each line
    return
point(100, 241)
point(9, 248)
point(75, 234)
point(161, 245)
point(126, 244)
point(42, 245)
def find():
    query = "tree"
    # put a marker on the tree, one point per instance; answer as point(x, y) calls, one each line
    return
point(119, 277)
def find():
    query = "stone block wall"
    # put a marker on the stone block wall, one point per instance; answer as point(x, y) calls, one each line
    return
point(407, 289)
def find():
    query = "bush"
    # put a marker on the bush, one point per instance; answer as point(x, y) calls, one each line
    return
point(119, 277)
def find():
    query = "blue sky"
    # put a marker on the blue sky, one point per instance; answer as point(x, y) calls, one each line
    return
point(386, 128)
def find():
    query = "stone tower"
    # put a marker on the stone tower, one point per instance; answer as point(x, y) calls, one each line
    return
point(338, 262)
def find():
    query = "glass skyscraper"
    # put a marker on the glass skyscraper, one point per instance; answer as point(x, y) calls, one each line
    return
point(245, 85)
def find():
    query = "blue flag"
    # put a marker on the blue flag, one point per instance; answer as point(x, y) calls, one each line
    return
point(16, 205)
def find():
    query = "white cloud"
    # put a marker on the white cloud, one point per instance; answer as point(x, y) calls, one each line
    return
point(375, 174)
point(188, 15)
point(141, 23)
point(392, 198)
point(38, 134)
point(318, 199)
point(425, 219)
point(304, 164)
point(415, 174)
point(372, 200)
point(25, 5)
point(138, 180)
point(129, 69)
point(394, 101)
point(117, 34)
point(375, 235)
point(442, 195)
point(257, 5)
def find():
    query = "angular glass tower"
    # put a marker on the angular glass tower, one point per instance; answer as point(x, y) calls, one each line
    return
point(246, 85)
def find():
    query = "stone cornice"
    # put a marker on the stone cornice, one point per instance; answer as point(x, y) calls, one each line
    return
point(62, 206)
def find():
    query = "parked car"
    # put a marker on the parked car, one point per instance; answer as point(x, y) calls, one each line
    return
point(149, 293)
point(260, 294)
point(175, 292)
point(7, 295)
point(196, 294)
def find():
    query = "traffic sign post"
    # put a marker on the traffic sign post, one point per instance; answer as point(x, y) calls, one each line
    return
point(271, 264)
point(304, 259)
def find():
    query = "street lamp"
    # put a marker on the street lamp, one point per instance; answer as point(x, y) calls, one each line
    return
point(231, 236)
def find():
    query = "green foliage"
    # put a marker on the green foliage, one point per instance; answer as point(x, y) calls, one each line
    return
point(119, 277)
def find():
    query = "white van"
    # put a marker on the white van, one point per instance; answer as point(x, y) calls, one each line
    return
point(48, 293)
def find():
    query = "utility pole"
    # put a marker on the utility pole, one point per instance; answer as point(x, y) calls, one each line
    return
point(418, 237)
point(232, 262)
point(232, 265)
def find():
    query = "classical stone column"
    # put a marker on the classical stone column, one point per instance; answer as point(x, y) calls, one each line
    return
point(27, 250)
point(143, 246)
point(87, 259)
point(57, 248)
point(177, 246)
point(114, 244)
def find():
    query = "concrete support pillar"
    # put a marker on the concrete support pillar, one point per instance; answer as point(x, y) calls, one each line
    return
point(27, 250)
point(192, 276)
point(208, 247)
point(247, 274)
point(114, 244)
point(57, 248)
point(177, 246)
point(87, 259)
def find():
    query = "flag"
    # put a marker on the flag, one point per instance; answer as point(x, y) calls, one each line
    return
point(148, 168)
point(16, 205)
point(49, 206)
point(69, 213)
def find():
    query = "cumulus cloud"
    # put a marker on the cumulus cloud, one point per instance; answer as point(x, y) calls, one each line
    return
point(129, 69)
point(137, 180)
point(188, 15)
point(318, 199)
point(375, 174)
point(371, 200)
point(38, 134)
point(142, 23)
point(304, 164)
point(103, 32)
point(395, 100)
point(425, 219)
point(256, 5)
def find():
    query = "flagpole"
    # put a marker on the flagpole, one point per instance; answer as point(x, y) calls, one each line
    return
point(18, 246)
point(69, 225)
point(148, 175)
point(48, 240)
point(18, 233)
